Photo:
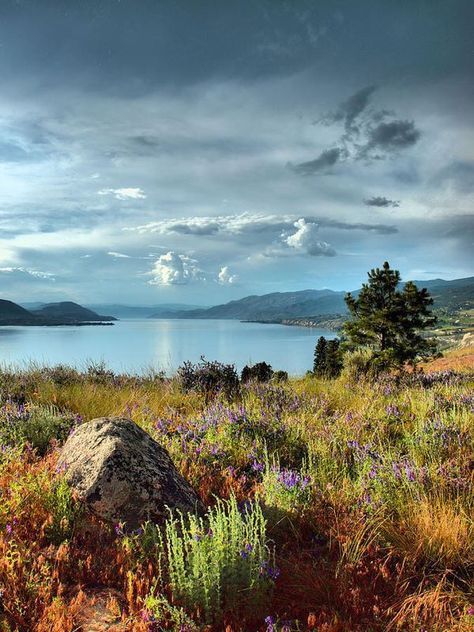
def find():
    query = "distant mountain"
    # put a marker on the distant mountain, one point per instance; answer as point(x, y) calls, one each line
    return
point(274, 306)
point(308, 304)
point(69, 311)
point(140, 311)
point(66, 313)
point(13, 314)
point(451, 295)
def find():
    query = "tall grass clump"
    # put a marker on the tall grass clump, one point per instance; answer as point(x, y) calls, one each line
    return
point(36, 426)
point(218, 564)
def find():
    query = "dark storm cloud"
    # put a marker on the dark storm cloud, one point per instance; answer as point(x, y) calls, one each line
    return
point(325, 160)
point(350, 110)
point(367, 135)
point(382, 202)
point(390, 137)
point(131, 48)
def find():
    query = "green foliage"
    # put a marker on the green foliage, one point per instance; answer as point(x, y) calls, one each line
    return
point(159, 611)
point(389, 320)
point(37, 426)
point(280, 376)
point(219, 563)
point(285, 489)
point(209, 378)
point(357, 364)
point(260, 372)
point(64, 509)
point(327, 358)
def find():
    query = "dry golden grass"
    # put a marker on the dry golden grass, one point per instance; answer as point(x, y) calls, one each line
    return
point(456, 360)
point(437, 532)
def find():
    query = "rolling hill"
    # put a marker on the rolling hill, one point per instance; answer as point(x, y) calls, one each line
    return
point(69, 311)
point(306, 304)
point(66, 313)
point(13, 314)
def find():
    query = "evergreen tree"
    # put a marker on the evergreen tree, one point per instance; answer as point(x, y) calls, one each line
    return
point(319, 362)
point(327, 358)
point(389, 320)
point(260, 372)
point(333, 365)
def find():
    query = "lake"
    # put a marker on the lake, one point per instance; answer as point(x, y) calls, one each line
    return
point(134, 346)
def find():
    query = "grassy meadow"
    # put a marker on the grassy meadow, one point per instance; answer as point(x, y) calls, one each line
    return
point(333, 505)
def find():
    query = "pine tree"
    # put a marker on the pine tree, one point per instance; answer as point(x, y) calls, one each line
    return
point(327, 358)
point(389, 320)
point(319, 362)
point(333, 358)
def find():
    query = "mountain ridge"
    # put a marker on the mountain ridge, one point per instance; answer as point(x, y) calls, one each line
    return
point(62, 313)
point(280, 306)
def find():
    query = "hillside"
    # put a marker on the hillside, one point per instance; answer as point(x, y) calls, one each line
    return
point(66, 313)
point(449, 296)
point(69, 311)
point(11, 313)
point(274, 306)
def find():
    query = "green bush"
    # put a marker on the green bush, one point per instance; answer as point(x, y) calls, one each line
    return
point(36, 426)
point(260, 372)
point(358, 364)
point(209, 378)
point(64, 510)
point(217, 564)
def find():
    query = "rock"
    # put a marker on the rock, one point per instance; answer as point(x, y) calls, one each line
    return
point(467, 340)
point(122, 474)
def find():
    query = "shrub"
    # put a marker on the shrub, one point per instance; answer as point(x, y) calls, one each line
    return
point(34, 425)
point(285, 489)
point(357, 364)
point(260, 372)
point(209, 378)
point(280, 376)
point(220, 563)
point(64, 511)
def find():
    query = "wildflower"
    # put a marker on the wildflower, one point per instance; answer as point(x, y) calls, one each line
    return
point(396, 470)
point(257, 466)
point(270, 622)
point(392, 411)
point(410, 473)
point(246, 551)
point(271, 572)
point(119, 529)
point(9, 529)
point(372, 472)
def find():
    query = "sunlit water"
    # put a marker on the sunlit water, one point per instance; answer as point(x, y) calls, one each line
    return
point(135, 346)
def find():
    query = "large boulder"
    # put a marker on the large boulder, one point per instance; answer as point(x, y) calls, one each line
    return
point(122, 474)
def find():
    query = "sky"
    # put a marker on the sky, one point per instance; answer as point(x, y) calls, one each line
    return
point(198, 152)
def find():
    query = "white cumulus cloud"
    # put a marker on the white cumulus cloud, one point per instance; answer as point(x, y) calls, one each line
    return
point(225, 277)
point(175, 269)
point(306, 240)
point(129, 193)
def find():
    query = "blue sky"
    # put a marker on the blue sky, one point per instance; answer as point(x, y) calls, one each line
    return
point(198, 152)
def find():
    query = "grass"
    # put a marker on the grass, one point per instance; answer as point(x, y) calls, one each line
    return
point(333, 505)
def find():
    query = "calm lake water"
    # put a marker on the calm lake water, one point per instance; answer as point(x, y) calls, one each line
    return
point(136, 345)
